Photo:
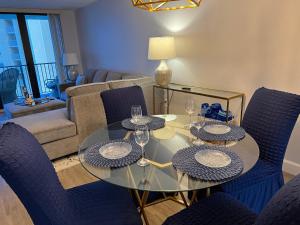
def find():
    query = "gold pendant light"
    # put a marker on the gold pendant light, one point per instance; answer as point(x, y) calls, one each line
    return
point(165, 5)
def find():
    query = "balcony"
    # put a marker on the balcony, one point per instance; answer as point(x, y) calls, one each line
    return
point(44, 73)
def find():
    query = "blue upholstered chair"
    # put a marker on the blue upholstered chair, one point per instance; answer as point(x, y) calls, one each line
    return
point(270, 118)
point(8, 85)
point(117, 102)
point(222, 209)
point(28, 171)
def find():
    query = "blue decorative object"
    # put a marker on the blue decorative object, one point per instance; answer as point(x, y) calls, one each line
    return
point(215, 112)
point(184, 160)
point(235, 134)
point(270, 118)
point(27, 169)
point(117, 103)
point(156, 123)
point(222, 209)
point(93, 157)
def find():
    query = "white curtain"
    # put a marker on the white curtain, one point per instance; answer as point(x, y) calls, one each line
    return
point(58, 45)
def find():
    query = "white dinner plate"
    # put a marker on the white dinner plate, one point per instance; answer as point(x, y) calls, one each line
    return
point(212, 158)
point(167, 117)
point(116, 150)
point(217, 129)
point(141, 121)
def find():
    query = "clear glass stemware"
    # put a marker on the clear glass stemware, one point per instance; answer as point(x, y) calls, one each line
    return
point(190, 109)
point(141, 136)
point(136, 113)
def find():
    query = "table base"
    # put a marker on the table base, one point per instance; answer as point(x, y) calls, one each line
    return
point(142, 201)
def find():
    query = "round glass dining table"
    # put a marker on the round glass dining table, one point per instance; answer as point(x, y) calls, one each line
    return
point(160, 175)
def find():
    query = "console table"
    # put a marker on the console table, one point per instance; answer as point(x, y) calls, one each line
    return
point(206, 92)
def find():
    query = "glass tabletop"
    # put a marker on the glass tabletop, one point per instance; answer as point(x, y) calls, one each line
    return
point(163, 144)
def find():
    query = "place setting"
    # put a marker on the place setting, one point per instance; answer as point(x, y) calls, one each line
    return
point(137, 118)
point(208, 158)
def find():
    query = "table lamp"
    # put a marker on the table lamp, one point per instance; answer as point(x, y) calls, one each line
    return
point(70, 61)
point(162, 48)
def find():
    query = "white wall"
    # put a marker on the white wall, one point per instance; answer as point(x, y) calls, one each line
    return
point(232, 45)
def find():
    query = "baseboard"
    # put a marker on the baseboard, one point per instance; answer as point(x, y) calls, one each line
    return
point(291, 167)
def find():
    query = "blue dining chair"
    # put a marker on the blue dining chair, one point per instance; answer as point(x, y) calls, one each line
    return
point(222, 209)
point(270, 118)
point(28, 171)
point(117, 102)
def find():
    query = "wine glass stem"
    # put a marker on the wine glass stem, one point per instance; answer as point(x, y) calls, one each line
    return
point(190, 119)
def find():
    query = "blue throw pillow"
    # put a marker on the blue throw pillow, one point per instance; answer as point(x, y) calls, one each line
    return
point(80, 80)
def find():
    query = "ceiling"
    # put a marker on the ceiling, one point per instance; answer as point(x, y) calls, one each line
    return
point(44, 4)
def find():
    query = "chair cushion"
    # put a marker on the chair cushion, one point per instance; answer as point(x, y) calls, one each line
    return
point(100, 76)
point(220, 209)
point(48, 126)
point(104, 204)
point(113, 76)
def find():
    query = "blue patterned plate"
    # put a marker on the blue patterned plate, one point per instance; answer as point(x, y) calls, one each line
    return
point(99, 155)
point(185, 161)
point(153, 124)
point(219, 133)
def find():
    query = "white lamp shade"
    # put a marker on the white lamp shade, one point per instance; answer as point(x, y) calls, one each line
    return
point(70, 59)
point(161, 48)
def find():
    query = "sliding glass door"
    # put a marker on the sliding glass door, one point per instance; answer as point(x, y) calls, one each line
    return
point(26, 45)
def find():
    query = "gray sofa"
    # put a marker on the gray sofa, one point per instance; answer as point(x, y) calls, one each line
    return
point(61, 131)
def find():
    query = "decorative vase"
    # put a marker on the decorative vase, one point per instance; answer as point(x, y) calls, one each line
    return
point(163, 77)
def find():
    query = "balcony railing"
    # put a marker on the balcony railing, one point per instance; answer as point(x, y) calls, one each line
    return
point(44, 73)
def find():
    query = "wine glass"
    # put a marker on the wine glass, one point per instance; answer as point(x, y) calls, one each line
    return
point(141, 136)
point(136, 113)
point(199, 125)
point(190, 108)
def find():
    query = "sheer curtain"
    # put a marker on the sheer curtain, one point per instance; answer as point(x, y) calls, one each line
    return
point(58, 45)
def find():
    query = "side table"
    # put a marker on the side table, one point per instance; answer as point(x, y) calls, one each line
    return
point(206, 92)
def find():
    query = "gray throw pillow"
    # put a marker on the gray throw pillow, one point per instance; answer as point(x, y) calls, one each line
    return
point(100, 76)
point(80, 80)
point(113, 76)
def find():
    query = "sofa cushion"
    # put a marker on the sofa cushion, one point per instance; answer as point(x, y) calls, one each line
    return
point(126, 76)
point(48, 126)
point(100, 76)
point(113, 76)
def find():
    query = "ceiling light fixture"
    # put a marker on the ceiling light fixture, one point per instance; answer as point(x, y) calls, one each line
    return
point(165, 5)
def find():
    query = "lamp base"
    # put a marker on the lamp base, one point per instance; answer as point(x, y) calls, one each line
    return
point(163, 77)
point(72, 73)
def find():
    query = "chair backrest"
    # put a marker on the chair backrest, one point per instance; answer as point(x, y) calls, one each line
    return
point(8, 85)
point(117, 102)
point(270, 118)
point(284, 207)
point(28, 171)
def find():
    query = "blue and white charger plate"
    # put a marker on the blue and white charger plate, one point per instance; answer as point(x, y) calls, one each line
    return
point(185, 161)
point(154, 124)
point(93, 157)
point(235, 133)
